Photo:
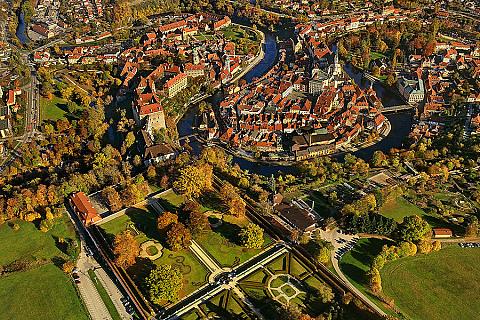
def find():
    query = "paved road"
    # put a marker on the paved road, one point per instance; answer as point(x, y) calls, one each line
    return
point(90, 295)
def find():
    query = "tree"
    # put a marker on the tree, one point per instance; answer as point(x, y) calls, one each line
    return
point(126, 249)
point(471, 230)
point(163, 284)
point(232, 201)
point(197, 223)
point(165, 221)
point(178, 237)
point(379, 159)
point(323, 255)
point(68, 267)
point(414, 228)
point(194, 180)
point(251, 236)
point(424, 246)
point(375, 281)
point(114, 201)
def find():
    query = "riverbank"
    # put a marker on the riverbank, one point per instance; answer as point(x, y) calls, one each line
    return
point(252, 64)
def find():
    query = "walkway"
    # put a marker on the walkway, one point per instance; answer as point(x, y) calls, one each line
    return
point(113, 292)
point(204, 257)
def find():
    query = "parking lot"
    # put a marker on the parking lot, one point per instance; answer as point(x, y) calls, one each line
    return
point(469, 244)
point(344, 245)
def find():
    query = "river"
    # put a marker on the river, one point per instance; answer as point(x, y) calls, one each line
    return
point(401, 122)
point(21, 32)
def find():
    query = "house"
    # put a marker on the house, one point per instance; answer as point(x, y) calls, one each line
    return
point(176, 84)
point(412, 90)
point(296, 217)
point(84, 209)
point(223, 23)
point(442, 233)
point(158, 153)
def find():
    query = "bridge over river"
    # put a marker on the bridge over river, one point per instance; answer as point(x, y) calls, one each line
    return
point(401, 107)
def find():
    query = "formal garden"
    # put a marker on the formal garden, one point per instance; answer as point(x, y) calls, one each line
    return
point(142, 223)
point(219, 237)
point(286, 280)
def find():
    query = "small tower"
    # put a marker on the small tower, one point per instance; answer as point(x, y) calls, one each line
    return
point(337, 67)
point(196, 58)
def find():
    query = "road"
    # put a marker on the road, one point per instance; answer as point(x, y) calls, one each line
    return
point(86, 263)
point(340, 241)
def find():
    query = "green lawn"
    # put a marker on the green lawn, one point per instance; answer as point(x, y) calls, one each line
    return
point(376, 55)
point(52, 109)
point(29, 242)
point(355, 263)
point(52, 292)
point(399, 208)
point(105, 296)
point(43, 293)
point(442, 285)
point(222, 244)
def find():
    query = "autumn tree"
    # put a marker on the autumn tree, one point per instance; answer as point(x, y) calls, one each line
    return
point(165, 221)
point(194, 180)
point(232, 201)
point(251, 236)
point(178, 237)
point(163, 284)
point(472, 229)
point(375, 282)
point(113, 199)
point(126, 249)
point(197, 223)
point(68, 267)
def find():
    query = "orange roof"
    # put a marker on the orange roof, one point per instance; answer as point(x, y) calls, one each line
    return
point(175, 79)
point(83, 205)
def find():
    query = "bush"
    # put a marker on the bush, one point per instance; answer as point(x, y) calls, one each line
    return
point(68, 267)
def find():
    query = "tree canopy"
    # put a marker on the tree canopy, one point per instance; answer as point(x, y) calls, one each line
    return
point(163, 284)
point(251, 236)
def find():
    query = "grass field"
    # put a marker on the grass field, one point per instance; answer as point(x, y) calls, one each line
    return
point(442, 285)
point(42, 293)
point(52, 292)
point(399, 208)
point(52, 109)
point(29, 242)
point(355, 263)
point(222, 244)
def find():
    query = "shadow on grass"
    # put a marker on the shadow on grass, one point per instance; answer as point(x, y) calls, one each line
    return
point(212, 201)
point(141, 269)
point(144, 220)
point(229, 231)
point(355, 273)
point(168, 206)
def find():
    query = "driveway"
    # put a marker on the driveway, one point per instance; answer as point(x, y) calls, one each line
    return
point(343, 243)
